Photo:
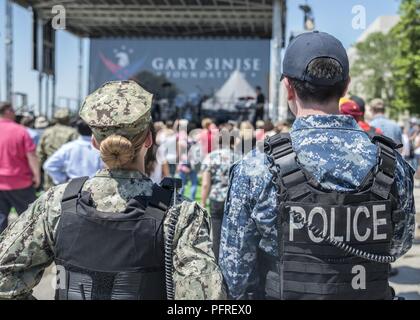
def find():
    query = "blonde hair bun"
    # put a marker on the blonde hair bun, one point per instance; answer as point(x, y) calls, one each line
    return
point(117, 151)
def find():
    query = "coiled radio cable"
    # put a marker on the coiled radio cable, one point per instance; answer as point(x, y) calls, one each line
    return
point(298, 217)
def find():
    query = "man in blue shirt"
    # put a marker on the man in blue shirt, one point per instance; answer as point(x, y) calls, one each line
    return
point(389, 127)
point(75, 159)
point(331, 147)
point(28, 121)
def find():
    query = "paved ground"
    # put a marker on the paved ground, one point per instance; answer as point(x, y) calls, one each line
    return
point(406, 283)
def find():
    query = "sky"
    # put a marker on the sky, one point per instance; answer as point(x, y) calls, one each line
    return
point(332, 16)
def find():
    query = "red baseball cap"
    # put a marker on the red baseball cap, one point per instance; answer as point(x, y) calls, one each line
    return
point(351, 108)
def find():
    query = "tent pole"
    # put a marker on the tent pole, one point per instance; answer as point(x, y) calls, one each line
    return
point(275, 63)
point(9, 50)
point(80, 75)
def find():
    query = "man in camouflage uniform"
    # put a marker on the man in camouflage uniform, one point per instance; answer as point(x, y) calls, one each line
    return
point(28, 246)
point(332, 148)
point(53, 138)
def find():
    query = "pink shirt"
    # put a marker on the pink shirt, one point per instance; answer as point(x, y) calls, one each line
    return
point(259, 134)
point(15, 144)
point(207, 137)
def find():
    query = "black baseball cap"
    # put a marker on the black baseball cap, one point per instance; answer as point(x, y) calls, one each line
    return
point(360, 102)
point(308, 46)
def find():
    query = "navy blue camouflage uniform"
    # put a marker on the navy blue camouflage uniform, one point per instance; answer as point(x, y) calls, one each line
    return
point(336, 151)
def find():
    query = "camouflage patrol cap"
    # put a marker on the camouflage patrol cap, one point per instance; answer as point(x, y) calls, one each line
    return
point(41, 123)
point(62, 113)
point(118, 107)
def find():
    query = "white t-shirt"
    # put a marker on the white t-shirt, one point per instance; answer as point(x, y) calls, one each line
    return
point(416, 143)
point(157, 174)
point(406, 145)
point(169, 149)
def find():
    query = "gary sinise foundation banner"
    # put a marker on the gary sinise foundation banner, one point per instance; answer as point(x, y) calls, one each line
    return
point(178, 66)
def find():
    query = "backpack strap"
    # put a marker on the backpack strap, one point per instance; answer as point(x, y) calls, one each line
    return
point(71, 194)
point(384, 175)
point(291, 177)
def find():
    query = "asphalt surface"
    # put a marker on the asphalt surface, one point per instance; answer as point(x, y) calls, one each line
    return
point(406, 283)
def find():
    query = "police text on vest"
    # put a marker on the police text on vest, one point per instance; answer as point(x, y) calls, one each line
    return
point(327, 219)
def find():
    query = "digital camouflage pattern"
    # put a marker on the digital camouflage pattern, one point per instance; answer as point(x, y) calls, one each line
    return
point(118, 107)
point(339, 155)
point(196, 273)
point(51, 140)
point(27, 246)
point(218, 163)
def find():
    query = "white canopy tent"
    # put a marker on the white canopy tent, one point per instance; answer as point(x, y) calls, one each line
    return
point(235, 88)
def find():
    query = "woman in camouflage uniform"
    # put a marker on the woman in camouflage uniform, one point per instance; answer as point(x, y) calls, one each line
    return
point(119, 115)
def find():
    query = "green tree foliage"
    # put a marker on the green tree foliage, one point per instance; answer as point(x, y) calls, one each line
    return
point(373, 68)
point(406, 63)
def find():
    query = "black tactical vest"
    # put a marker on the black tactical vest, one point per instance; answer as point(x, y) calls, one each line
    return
point(105, 256)
point(332, 245)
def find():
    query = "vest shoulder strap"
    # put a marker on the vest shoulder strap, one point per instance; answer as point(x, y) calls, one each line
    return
point(74, 188)
point(162, 196)
point(72, 192)
point(384, 174)
point(291, 178)
point(379, 138)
